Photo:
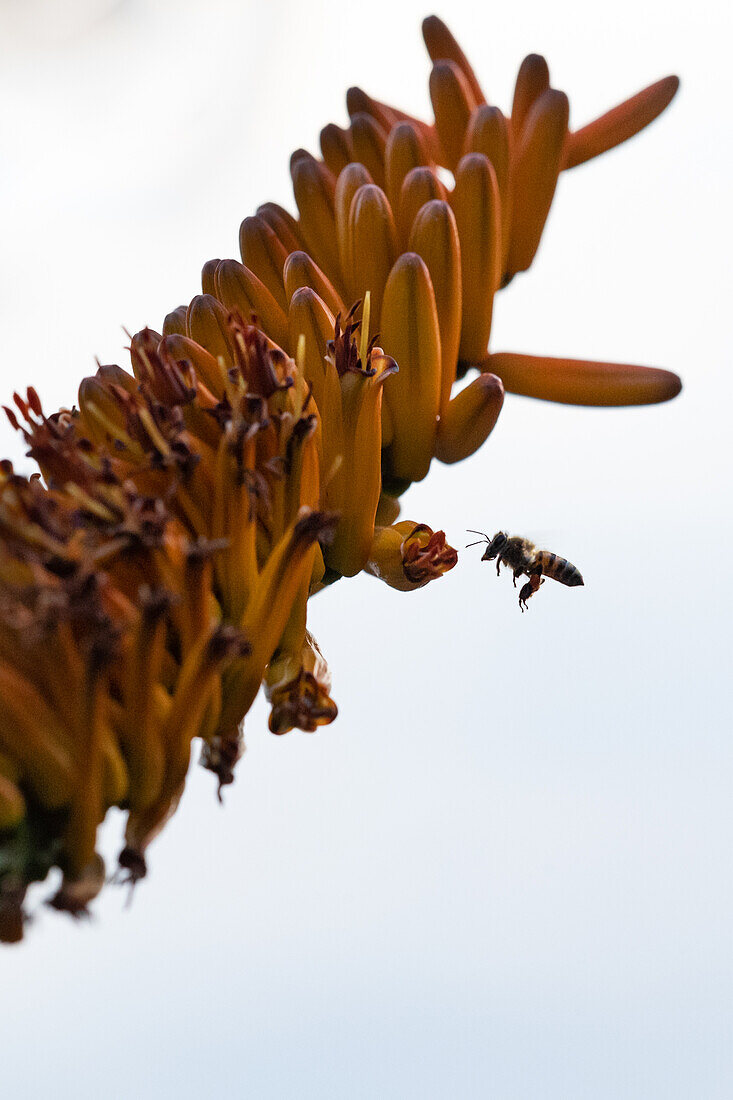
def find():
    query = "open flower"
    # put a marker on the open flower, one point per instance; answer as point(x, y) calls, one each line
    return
point(156, 572)
point(162, 573)
point(143, 593)
point(408, 555)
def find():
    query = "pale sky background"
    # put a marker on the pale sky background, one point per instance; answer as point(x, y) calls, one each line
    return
point(505, 870)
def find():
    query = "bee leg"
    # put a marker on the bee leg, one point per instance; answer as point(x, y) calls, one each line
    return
point(516, 573)
point(529, 589)
point(498, 563)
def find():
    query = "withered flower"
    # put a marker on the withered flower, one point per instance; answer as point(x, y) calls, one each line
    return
point(156, 572)
point(143, 592)
point(297, 684)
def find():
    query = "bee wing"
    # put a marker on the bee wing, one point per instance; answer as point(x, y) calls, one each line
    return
point(544, 538)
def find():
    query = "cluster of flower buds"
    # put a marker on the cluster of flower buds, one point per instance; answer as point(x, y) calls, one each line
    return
point(156, 572)
point(383, 188)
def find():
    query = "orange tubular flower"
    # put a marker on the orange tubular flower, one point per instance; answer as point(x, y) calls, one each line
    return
point(581, 382)
point(157, 570)
point(357, 480)
point(505, 171)
point(408, 555)
point(145, 591)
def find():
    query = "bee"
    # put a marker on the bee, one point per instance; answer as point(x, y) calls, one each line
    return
point(524, 559)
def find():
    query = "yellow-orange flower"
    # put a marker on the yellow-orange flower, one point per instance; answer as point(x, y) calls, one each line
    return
point(408, 555)
point(157, 571)
point(143, 592)
point(505, 170)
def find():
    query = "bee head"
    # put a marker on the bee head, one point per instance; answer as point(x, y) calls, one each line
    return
point(495, 547)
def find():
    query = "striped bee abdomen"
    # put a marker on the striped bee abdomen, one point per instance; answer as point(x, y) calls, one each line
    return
point(560, 569)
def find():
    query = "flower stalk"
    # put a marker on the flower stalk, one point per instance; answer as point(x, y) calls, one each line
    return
point(156, 570)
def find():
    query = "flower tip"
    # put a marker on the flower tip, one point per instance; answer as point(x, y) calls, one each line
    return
point(469, 418)
point(583, 382)
point(558, 99)
point(620, 123)
point(299, 154)
point(433, 30)
point(673, 385)
point(358, 101)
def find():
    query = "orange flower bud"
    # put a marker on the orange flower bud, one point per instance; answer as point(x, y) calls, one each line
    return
point(620, 123)
point(206, 323)
point(434, 237)
point(469, 419)
point(477, 208)
point(351, 179)
point(264, 254)
point(440, 43)
point(359, 103)
point(373, 245)
point(242, 292)
point(314, 188)
point(581, 382)
point(368, 140)
point(336, 147)
point(539, 156)
point(419, 186)
point(301, 271)
point(453, 103)
point(411, 334)
point(208, 284)
point(282, 223)
point(405, 150)
point(533, 80)
point(488, 133)
point(175, 322)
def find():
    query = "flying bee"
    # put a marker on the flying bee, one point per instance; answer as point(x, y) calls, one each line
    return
point(524, 559)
